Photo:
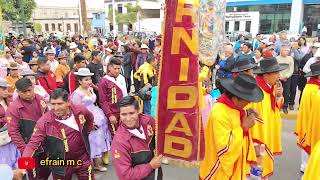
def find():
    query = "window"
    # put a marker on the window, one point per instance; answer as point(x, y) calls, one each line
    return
point(76, 29)
point(248, 26)
point(46, 27)
point(237, 25)
point(119, 8)
point(151, 13)
point(68, 27)
point(98, 16)
point(227, 26)
point(53, 27)
point(66, 14)
point(60, 27)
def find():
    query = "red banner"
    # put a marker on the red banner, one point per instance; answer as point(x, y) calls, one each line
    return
point(179, 128)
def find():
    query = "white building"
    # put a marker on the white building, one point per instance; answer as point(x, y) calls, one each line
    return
point(63, 15)
point(152, 12)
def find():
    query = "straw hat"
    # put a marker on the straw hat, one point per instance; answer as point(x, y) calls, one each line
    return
point(83, 72)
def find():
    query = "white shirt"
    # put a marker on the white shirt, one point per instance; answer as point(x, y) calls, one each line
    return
point(306, 68)
point(120, 82)
point(53, 65)
point(70, 122)
point(137, 133)
point(24, 66)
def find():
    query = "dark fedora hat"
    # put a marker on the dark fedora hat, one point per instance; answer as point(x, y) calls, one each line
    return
point(243, 86)
point(243, 65)
point(270, 65)
point(315, 70)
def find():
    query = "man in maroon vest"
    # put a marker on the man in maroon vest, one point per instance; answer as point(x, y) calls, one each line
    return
point(112, 88)
point(22, 115)
point(64, 131)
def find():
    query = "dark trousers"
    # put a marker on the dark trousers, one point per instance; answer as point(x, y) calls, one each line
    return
point(293, 89)
point(301, 84)
point(286, 91)
point(128, 83)
point(147, 107)
point(40, 172)
point(83, 172)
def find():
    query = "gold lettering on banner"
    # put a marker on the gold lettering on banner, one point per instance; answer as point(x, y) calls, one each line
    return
point(186, 11)
point(185, 152)
point(184, 69)
point(174, 103)
point(174, 144)
point(179, 117)
point(180, 33)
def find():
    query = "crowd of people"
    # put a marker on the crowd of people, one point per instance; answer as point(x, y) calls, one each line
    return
point(76, 86)
point(84, 98)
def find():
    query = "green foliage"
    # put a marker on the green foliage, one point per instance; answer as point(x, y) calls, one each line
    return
point(130, 17)
point(37, 27)
point(17, 10)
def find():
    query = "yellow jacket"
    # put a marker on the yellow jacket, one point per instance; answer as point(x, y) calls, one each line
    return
point(267, 132)
point(313, 167)
point(12, 82)
point(227, 151)
point(312, 131)
point(202, 76)
point(146, 70)
point(304, 114)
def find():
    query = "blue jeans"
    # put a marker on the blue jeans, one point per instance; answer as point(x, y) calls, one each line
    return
point(147, 107)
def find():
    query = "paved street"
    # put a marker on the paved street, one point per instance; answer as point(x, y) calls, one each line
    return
point(286, 166)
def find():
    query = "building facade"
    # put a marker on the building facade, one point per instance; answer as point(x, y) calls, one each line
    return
point(63, 16)
point(278, 15)
point(151, 15)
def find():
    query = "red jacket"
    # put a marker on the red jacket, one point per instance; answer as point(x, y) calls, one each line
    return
point(21, 117)
point(131, 155)
point(107, 101)
point(45, 128)
point(47, 81)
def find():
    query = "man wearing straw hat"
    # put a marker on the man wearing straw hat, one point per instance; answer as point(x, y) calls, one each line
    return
point(13, 76)
point(229, 147)
point(267, 130)
point(51, 57)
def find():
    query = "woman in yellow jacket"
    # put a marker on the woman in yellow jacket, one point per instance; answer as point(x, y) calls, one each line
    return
point(229, 148)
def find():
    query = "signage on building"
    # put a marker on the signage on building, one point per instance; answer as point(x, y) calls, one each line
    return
point(241, 16)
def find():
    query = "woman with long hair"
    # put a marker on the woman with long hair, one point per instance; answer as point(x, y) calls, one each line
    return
point(303, 45)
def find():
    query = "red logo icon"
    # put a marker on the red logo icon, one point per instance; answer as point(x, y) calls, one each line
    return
point(26, 163)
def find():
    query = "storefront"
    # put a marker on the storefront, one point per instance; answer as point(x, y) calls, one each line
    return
point(276, 15)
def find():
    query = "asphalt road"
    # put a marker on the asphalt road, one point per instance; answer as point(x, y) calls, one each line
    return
point(286, 166)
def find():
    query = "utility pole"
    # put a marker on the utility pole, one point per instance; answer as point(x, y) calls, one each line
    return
point(22, 17)
point(138, 16)
point(114, 19)
point(83, 17)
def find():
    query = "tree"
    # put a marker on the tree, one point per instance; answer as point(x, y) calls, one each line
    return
point(126, 18)
point(17, 10)
point(37, 27)
point(131, 16)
